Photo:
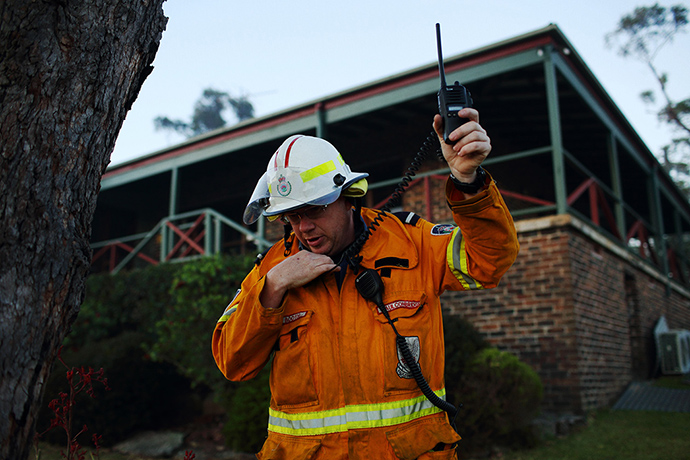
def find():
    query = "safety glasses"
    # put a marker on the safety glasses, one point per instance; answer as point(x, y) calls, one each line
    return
point(311, 213)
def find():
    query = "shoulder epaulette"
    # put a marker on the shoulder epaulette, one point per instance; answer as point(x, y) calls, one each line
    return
point(260, 256)
point(407, 217)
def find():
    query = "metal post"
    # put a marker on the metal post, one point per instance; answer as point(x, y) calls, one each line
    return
point(555, 130)
point(261, 230)
point(165, 231)
point(217, 229)
point(172, 203)
point(657, 218)
point(321, 124)
point(616, 184)
point(208, 235)
point(166, 235)
point(678, 246)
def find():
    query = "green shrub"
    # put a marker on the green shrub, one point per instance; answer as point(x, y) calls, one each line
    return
point(500, 396)
point(199, 294)
point(150, 330)
point(200, 291)
point(462, 342)
point(129, 301)
point(247, 408)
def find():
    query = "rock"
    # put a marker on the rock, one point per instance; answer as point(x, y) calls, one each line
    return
point(544, 426)
point(152, 444)
point(551, 425)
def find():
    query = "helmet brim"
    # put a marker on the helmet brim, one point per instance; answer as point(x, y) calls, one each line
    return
point(257, 202)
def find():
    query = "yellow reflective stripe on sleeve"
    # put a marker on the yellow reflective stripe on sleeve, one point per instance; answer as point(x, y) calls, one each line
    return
point(456, 257)
point(317, 171)
point(352, 417)
point(227, 313)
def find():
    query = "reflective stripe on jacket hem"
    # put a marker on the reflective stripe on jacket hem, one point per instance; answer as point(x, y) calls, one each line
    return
point(352, 417)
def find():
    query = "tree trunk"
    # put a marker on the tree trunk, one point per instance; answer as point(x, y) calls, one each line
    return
point(69, 72)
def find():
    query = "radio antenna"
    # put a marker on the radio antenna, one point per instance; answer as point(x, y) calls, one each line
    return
point(441, 70)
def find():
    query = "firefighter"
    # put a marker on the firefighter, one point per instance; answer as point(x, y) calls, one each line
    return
point(341, 387)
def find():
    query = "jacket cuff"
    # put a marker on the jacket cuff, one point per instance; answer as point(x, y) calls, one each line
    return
point(273, 316)
point(458, 202)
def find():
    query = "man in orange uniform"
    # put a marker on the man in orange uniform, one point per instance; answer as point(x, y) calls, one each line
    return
point(340, 386)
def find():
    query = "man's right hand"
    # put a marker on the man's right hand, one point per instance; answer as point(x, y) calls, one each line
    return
point(293, 272)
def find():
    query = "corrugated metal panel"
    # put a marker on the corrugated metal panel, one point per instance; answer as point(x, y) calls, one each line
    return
point(645, 396)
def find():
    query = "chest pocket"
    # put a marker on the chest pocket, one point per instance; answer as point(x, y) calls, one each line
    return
point(292, 374)
point(413, 320)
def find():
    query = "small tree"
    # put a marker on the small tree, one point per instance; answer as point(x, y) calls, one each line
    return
point(641, 35)
point(208, 113)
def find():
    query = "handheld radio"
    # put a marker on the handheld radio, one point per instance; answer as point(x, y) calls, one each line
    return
point(451, 99)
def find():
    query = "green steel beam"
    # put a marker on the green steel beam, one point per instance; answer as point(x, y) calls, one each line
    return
point(208, 230)
point(617, 184)
point(596, 107)
point(321, 122)
point(670, 196)
point(654, 193)
point(261, 231)
point(174, 191)
point(555, 130)
point(217, 235)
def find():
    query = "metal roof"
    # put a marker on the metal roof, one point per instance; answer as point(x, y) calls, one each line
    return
point(466, 67)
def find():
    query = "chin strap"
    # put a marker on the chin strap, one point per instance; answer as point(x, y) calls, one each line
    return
point(287, 240)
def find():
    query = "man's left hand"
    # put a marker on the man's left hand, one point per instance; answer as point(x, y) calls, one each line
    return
point(471, 145)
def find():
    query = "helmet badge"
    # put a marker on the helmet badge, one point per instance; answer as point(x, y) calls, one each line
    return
point(284, 186)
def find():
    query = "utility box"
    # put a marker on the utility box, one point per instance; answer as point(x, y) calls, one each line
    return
point(674, 350)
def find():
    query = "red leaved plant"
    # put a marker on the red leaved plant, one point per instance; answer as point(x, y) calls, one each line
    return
point(79, 380)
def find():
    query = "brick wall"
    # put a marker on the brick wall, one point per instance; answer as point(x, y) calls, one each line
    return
point(579, 310)
point(430, 189)
point(531, 315)
point(602, 325)
point(648, 300)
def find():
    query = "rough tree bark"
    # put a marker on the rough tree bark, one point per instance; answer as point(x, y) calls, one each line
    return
point(69, 72)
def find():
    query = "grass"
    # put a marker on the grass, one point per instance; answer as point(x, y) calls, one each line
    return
point(674, 382)
point(629, 435)
point(609, 435)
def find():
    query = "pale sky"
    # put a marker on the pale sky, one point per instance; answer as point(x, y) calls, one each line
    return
point(286, 53)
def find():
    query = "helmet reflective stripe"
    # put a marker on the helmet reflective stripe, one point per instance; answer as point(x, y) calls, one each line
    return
point(317, 171)
point(352, 417)
point(303, 171)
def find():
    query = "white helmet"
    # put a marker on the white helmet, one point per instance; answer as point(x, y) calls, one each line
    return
point(304, 171)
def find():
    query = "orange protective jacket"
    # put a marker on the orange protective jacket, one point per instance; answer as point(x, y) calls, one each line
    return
point(339, 388)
